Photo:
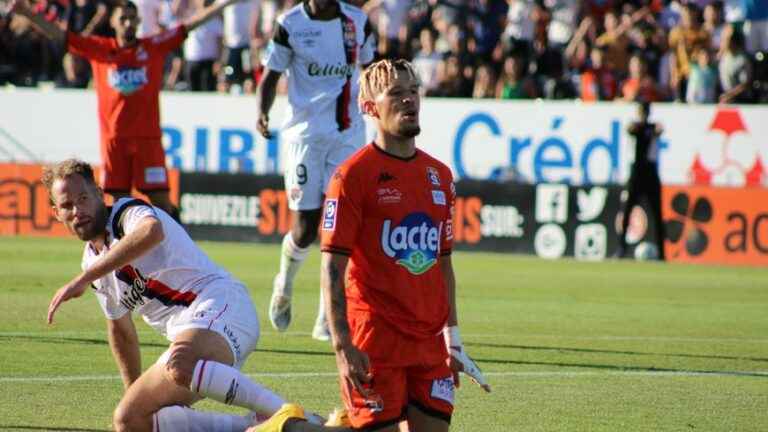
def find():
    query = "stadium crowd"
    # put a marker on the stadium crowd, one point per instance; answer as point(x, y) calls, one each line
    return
point(695, 51)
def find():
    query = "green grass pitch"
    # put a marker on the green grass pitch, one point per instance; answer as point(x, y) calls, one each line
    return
point(568, 346)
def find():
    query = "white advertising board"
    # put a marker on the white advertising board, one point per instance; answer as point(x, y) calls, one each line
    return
point(534, 141)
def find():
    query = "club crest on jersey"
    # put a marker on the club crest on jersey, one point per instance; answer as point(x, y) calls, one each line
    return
point(350, 35)
point(329, 215)
point(433, 177)
point(414, 243)
point(127, 80)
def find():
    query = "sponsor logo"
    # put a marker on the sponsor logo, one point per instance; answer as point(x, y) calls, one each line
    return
point(330, 70)
point(549, 241)
point(385, 177)
point(414, 243)
point(591, 204)
point(443, 389)
point(137, 287)
point(221, 210)
point(329, 215)
point(234, 341)
point(438, 197)
point(141, 54)
point(686, 226)
point(127, 80)
point(724, 160)
point(590, 242)
point(501, 221)
point(295, 194)
point(307, 33)
point(433, 177)
point(389, 196)
point(552, 203)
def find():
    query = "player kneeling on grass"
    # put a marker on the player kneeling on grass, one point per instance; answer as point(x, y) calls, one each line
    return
point(138, 259)
point(387, 274)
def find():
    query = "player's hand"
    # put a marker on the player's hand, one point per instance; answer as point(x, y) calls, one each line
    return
point(262, 125)
point(460, 361)
point(75, 288)
point(354, 367)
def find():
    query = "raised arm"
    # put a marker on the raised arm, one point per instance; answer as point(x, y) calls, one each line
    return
point(353, 364)
point(124, 343)
point(48, 29)
point(147, 234)
point(206, 14)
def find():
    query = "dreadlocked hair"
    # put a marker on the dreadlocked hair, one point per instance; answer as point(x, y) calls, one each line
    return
point(378, 76)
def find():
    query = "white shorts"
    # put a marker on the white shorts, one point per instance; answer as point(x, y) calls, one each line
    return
point(312, 160)
point(225, 308)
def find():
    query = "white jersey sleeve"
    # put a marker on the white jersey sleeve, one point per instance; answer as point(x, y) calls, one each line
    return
point(104, 290)
point(133, 215)
point(279, 53)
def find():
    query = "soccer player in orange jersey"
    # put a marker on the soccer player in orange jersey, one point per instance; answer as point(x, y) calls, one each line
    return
point(387, 275)
point(128, 76)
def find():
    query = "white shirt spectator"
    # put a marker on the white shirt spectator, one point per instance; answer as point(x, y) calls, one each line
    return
point(204, 43)
point(237, 23)
point(563, 20)
point(519, 24)
point(149, 12)
point(426, 68)
point(392, 16)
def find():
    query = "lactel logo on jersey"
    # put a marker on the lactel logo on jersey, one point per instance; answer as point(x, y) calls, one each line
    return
point(566, 152)
point(127, 80)
point(414, 243)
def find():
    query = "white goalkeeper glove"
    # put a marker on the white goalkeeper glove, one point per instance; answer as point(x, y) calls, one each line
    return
point(459, 355)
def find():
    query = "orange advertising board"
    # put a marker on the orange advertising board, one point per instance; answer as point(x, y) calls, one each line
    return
point(716, 225)
point(24, 205)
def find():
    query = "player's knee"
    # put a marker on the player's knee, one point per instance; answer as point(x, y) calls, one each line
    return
point(180, 366)
point(305, 238)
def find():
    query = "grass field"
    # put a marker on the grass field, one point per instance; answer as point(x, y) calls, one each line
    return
point(568, 346)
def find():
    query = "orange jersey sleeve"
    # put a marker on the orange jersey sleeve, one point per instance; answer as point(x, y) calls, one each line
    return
point(91, 47)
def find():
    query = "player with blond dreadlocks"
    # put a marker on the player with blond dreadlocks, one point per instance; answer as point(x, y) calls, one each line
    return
point(387, 276)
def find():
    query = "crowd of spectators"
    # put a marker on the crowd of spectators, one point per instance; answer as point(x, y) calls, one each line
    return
point(695, 51)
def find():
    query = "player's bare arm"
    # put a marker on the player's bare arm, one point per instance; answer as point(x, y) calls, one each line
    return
point(124, 343)
point(206, 14)
point(147, 234)
point(267, 91)
point(48, 29)
point(353, 364)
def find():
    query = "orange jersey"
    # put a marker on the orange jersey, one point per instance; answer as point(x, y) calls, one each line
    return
point(128, 81)
point(392, 217)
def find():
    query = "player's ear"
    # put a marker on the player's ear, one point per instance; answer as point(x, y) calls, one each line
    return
point(369, 107)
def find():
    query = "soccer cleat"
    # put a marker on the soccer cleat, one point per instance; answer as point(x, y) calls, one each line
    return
point(279, 308)
point(339, 417)
point(320, 332)
point(277, 421)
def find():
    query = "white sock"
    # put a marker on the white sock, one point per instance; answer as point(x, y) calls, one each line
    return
point(183, 419)
point(321, 310)
point(228, 385)
point(291, 259)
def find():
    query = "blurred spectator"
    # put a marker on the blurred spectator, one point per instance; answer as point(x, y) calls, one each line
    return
point(713, 23)
point(26, 46)
point(616, 42)
point(390, 18)
point(450, 79)
point(564, 15)
point(202, 49)
point(518, 32)
point(670, 15)
point(640, 86)
point(85, 17)
point(577, 51)
point(546, 62)
point(683, 40)
point(240, 22)
point(7, 51)
point(649, 41)
point(150, 12)
point(598, 81)
point(485, 83)
point(426, 60)
point(756, 25)
point(702, 84)
point(487, 21)
point(735, 69)
point(513, 82)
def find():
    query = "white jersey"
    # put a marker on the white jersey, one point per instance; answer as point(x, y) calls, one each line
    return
point(321, 60)
point(161, 283)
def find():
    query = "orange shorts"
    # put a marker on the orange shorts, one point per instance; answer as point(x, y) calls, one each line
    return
point(406, 371)
point(133, 162)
